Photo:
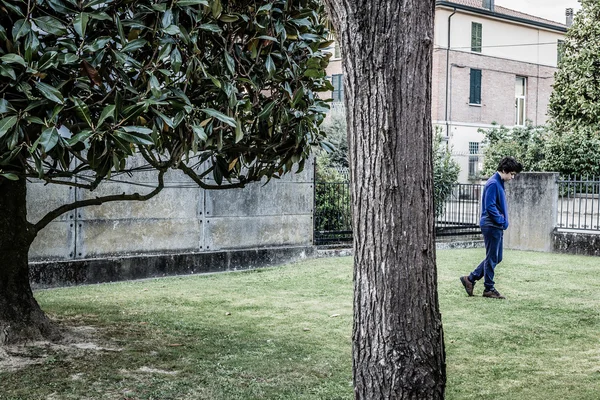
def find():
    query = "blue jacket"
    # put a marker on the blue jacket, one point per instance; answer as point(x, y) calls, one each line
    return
point(493, 204)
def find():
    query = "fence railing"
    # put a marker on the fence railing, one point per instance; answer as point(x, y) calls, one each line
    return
point(333, 212)
point(462, 212)
point(578, 203)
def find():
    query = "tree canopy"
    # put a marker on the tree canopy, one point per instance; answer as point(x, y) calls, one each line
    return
point(575, 101)
point(229, 86)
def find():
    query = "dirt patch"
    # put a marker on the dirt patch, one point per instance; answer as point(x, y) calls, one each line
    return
point(76, 342)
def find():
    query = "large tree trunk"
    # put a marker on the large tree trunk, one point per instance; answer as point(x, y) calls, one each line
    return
point(21, 318)
point(387, 60)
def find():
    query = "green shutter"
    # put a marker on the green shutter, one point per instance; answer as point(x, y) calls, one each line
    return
point(475, 87)
point(476, 37)
point(560, 50)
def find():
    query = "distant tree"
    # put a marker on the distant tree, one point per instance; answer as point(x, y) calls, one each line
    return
point(224, 90)
point(575, 100)
point(574, 146)
point(398, 349)
point(336, 131)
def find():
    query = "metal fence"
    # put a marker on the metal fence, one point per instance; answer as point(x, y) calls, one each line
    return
point(462, 212)
point(578, 203)
point(333, 212)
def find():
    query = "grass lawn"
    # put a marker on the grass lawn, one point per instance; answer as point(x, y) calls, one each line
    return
point(285, 333)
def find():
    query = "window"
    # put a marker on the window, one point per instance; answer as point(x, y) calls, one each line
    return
point(476, 37)
point(337, 52)
point(520, 90)
point(475, 87)
point(338, 87)
point(560, 50)
point(473, 159)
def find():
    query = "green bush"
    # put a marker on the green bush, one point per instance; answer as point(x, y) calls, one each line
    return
point(526, 144)
point(542, 149)
point(332, 204)
point(445, 174)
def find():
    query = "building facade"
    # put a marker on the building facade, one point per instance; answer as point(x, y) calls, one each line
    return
point(490, 65)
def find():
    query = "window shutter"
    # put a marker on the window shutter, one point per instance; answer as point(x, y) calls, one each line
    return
point(475, 87)
point(476, 35)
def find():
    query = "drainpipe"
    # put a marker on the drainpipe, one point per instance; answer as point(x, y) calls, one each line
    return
point(448, 78)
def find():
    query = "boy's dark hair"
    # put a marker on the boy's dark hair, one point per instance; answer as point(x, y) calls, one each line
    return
point(509, 164)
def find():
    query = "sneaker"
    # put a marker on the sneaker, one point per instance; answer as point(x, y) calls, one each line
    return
point(467, 284)
point(493, 294)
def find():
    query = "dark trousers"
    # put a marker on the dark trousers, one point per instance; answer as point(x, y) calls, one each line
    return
point(492, 237)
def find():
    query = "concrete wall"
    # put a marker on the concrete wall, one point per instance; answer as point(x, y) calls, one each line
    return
point(181, 219)
point(532, 205)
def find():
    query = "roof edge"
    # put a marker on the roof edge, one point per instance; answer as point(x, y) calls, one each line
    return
point(501, 16)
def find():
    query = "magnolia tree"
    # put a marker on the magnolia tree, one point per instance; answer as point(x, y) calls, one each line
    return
point(219, 90)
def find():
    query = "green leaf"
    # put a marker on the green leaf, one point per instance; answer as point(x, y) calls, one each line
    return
point(270, 65)
point(239, 134)
point(200, 133)
point(101, 16)
point(48, 139)
point(220, 116)
point(162, 116)
point(12, 58)
point(80, 23)
point(172, 30)
point(6, 124)
point(80, 137)
point(50, 92)
point(47, 60)
point(135, 137)
point(155, 86)
point(134, 45)
point(176, 60)
point(8, 72)
point(5, 106)
point(10, 176)
point(183, 3)
point(230, 62)
point(297, 96)
point(167, 18)
point(266, 112)
point(137, 129)
point(229, 18)
point(67, 58)
point(216, 8)
point(108, 111)
point(50, 25)
point(21, 28)
point(211, 27)
point(82, 111)
point(266, 37)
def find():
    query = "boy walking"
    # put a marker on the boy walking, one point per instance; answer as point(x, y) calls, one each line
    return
point(493, 222)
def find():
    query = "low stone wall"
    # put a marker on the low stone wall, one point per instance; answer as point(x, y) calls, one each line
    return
point(112, 269)
point(576, 243)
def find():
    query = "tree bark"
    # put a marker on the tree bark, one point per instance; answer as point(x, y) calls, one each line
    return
point(387, 46)
point(21, 318)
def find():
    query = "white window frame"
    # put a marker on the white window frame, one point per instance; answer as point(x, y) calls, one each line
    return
point(521, 101)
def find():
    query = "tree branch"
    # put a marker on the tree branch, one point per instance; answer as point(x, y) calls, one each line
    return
point(98, 201)
point(189, 172)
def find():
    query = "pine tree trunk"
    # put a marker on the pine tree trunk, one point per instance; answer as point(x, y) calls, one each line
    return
point(21, 318)
point(387, 49)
